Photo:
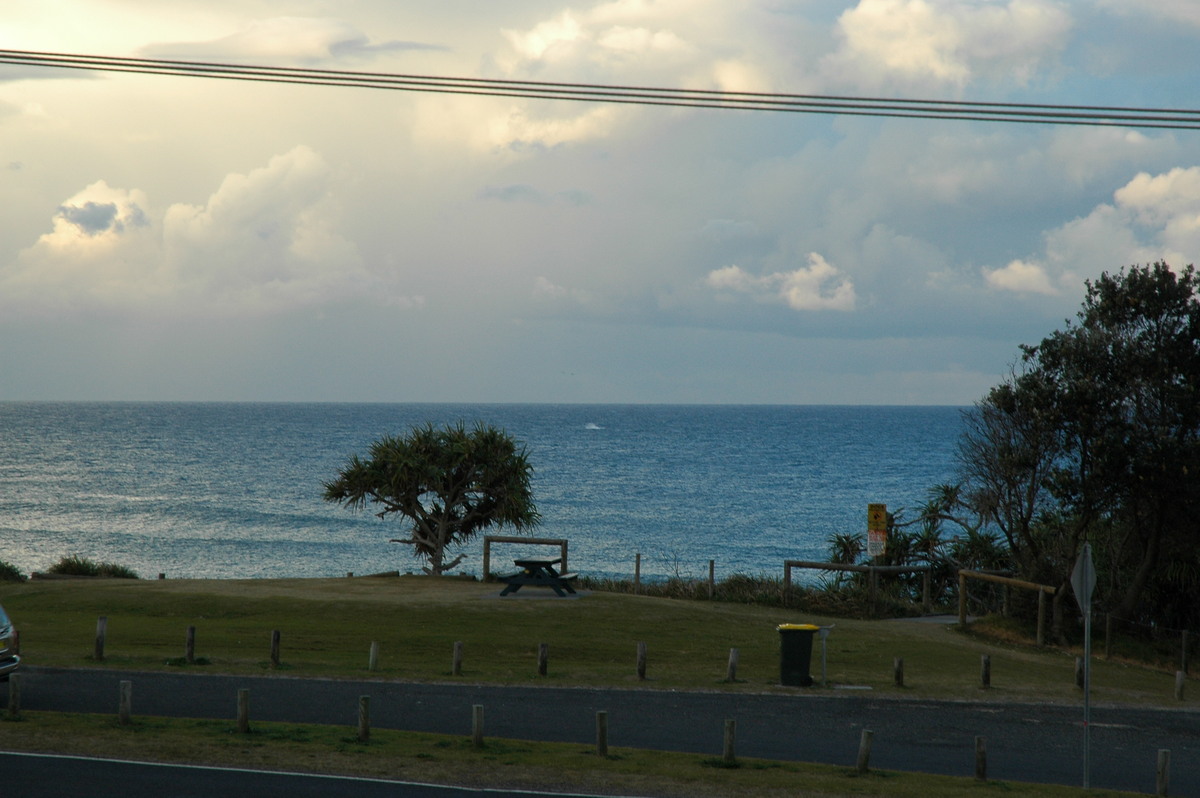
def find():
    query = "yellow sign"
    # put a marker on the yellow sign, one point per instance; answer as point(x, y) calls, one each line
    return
point(876, 529)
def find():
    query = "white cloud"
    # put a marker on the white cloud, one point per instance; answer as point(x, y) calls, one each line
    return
point(902, 43)
point(1021, 277)
point(549, 40)
point(1152, 217)
point(264, 242)
point(819, 286)
point(1165, 199)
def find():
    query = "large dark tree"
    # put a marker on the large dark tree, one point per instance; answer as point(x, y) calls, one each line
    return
point(451, 483)
point(1096, 436)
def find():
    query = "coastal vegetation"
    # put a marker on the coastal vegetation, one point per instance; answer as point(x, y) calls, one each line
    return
point(71, 565)
point(450, 483)
point(74, 565)
point(1093, 437)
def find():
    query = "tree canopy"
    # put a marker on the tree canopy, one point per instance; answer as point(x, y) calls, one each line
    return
point(450, 482)
point(1095, 436)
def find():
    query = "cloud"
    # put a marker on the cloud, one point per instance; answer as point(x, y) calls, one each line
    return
point(286, 39)
point(608, 34)
point(1152, 217)
point(819, 286)
point(669, 42)
point(1021, 277)
point(1170, 199)
point(264, 242)
point(902, 43)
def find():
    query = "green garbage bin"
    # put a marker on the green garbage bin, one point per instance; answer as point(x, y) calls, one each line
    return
point(795, 653)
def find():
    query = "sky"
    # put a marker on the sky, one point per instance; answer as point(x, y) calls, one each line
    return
point(172, 238)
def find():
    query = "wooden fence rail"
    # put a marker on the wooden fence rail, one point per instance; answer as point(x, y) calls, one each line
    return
point(1043, 591)
point(488, 540)
point(872, 572)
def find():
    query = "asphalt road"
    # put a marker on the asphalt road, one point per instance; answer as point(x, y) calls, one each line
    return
point(1025, 742)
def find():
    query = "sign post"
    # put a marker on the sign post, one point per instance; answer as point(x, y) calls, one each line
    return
point(876, 530)
point(1083, 582)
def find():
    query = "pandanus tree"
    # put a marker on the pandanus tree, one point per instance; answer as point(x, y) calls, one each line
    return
point(450, 483)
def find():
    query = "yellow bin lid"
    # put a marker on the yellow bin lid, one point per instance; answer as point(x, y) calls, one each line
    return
point(809, 627)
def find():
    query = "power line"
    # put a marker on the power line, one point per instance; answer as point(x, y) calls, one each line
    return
point(1028, 113)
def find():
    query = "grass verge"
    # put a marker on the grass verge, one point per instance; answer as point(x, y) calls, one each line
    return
point(511, 764)
point(327, 627)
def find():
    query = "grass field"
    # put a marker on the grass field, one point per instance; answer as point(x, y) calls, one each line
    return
point(327, 627)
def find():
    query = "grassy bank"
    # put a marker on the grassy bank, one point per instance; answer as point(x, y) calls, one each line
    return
point(327, 628)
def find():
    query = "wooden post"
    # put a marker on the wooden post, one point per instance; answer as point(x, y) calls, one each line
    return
point(985, 670)
point(727, 751)
point(787, 578)
point(189, 646)
point(477, 725)
point(898, 671)
point(125, 704)
point(864, 750)
point(873, 590)
point(1041, 622)
point(602, 734)
point(456, 665)
point(641, 662)
point(637, 573)
point(980, 759)
point(1179, 680)
point(962, 599)
point(373, 656)
point(364, 718)
point(275, 648)
point(243, 711)
point(101, 633)
point(563, 564)
point(1162, 779)
point(731, 668)
point(487, 558)
point(543, 657)
point(712, 584)
point(1079, 672)
point(14, 696)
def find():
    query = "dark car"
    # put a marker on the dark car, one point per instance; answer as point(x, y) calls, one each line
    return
point(8, 656)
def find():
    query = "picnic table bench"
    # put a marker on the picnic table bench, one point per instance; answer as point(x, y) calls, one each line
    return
point(539, 572)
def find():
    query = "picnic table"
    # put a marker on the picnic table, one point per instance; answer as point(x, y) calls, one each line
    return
point(539, 572)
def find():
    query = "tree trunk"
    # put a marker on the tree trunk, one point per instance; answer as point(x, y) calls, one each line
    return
point(1056, 615)
point(1133, 591)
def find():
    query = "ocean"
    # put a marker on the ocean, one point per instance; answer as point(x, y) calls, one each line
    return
point(233, 490)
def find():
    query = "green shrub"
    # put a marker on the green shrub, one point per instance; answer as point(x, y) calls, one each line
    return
point(10, 573)
point(74, 565)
